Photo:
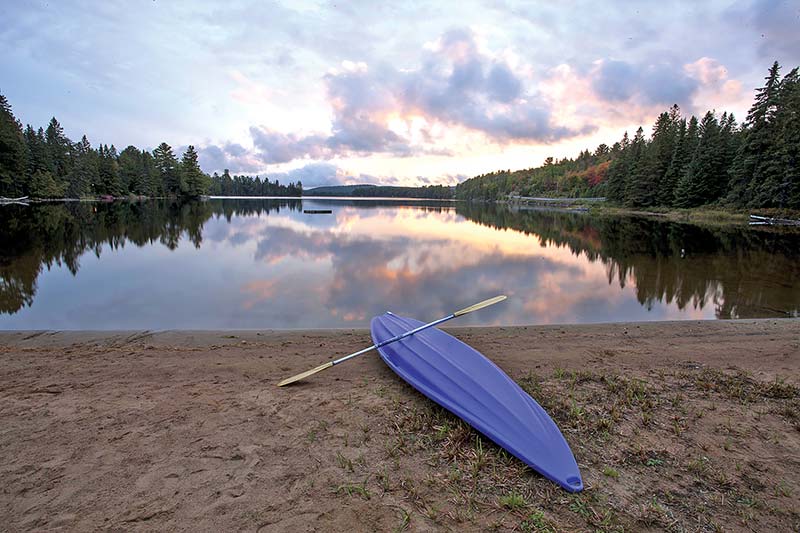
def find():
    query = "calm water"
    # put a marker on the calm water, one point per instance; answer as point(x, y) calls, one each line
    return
point(266, 264)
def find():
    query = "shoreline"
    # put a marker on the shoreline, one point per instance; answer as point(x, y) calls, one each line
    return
point(203, 337)
point(712, 216)
point(702, 216)
point(687, 424)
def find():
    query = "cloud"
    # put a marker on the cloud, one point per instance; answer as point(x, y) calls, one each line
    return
point(452, 179)
point(276, 147)
point(361, 103)
point(313, 175)
point(457, 84)
point(716, 89)
point(665, 85)
point(461, 85)
point(359, 127)
point(776, 26)
point(231, 156)
point(460, 92)
point(614, 80)
point(503, 86)
point(322, 173)
point(648, 83)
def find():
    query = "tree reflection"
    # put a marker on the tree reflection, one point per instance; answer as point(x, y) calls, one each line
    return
point(42, 235)
point(744, 272)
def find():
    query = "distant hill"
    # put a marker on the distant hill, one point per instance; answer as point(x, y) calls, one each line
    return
point(382, 191)
point(336, 190)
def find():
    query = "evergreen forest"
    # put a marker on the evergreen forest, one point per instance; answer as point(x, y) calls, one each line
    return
point(685, 162)
point(45, 163)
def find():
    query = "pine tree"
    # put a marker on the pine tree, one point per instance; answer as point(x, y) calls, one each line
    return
point(58, 149)
point(639, 186)
point(666, 190)
point(227, 183)
point(749, 168)
point(704, 180)
point(84, 174)
point(193, 177)
point(615, 180)
point(216, 186)
point(131, 176)
point(166, 167)
point(12, 152)
point(154, 186)
point(682, 194)
point(730, 139)
point(661, 151)
point(692, 137)
point(108, 170)
point(778, 169)
point(788, 117)
point(38, 160)
point(42, 181)
point(42, 184)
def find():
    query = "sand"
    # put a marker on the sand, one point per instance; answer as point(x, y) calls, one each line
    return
point(676, 426)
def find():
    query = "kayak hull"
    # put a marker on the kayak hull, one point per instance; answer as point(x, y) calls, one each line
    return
point(466, 383)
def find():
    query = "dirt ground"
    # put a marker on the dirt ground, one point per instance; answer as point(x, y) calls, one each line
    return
point(682, 426)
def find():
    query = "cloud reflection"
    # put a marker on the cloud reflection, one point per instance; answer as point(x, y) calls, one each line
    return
point(426, 265)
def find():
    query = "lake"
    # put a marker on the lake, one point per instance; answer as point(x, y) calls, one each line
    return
point(263, 263)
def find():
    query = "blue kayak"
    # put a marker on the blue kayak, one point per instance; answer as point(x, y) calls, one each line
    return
point(463, 381)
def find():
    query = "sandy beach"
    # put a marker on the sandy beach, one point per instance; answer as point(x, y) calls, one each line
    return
point(680, 426)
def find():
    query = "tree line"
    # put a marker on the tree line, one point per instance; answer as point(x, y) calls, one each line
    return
point(227, 185)
point(45, 163)
point(579, 177)
point(436, 192)
point(685, 162)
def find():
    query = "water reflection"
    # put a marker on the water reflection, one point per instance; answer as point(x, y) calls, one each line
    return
point(742, 272)
point(266, 264)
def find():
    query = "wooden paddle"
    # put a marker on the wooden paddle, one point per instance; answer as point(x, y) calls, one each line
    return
point(320, 368)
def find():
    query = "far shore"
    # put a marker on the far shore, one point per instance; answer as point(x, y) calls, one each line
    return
point(675, 425)
point(704, 216)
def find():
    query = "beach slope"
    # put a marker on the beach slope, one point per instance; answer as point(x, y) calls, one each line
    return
point(676, 425)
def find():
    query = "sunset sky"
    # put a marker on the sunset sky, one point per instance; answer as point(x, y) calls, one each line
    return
point(401, 93)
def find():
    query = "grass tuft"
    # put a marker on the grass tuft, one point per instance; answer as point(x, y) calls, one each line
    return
point(354, 489)
point(512, 500)
point(610, 472)
point(537, 523)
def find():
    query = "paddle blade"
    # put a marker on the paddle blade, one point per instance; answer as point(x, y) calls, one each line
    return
point(305, 374)
point(480, 305)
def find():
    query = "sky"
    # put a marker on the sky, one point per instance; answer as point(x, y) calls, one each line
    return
point(392, 93)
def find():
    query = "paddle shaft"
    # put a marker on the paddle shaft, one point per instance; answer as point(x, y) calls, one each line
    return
point(393, 339)
point(470, 309)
